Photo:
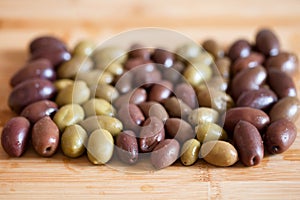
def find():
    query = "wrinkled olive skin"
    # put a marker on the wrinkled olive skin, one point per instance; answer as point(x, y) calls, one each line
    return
point(219, 153)
point(100, 147)
point(111, 124)
point(254, 116)
point(253, 60)
point(248, 143)
point(15, 136)
point(267, 42)
point(127, 147)
point(239, 49)
point(248, 79)
point(40, 68)
point(176, 107)
point(262, 98)
point(45, 137)
point(179, 129)
point(207, 131)
point(288, 107)
point(160, 91)
point(279, 136)
point(190, 152)
point(281, 83)
point(73, 141)
point(151, 134)
point(285, 62)
point(151, 108)
point(186, 93)
point(77, 93)
point(131, 116)
point(165, 153)
point(203, 114)
point(29, 92)
point(37, 110)
point(68, 115)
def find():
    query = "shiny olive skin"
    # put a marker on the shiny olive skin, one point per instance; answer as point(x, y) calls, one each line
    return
point(15, 136)
point(95, 76)
point(44, 42)
point(239, 49)
point(100, 146)
point(151, 134)
point(164, 57)
point(262, 98)
point(186, 93)
point(285, 62)
point(73, 141)
point(248, 79)
point(131, 116)
point(139, 51)
point(253, 60)
point(203, 114)
point(37, 110)
point(160, 91)
point(40, 68)
point(176, 107)
point(136, 96)
point(190, 152)
point(248, 143)
point(254, 116)
point(29, 92)
point(151, 108)
point(219, 153)
point(68, 115)
point(179, 129)
point(165, 153)
point(281, 83)
point(105, 91)
point(267, 42)
point(111, 124)
point(45, 137)
point(207, 131)
point(288, 107)
point(280, 135)
point(60, 84)
point(127, 147)
point(84, 48)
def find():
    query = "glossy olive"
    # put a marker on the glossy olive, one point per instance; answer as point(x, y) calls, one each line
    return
point(288, 107)
point(284, 61)
point(267, 42)
point(97, 106)
point(207, 131)
point(160, 91)
point(253, 60)
point(203, 114)
point(239, 49)
point(127, 147)
point(190, 152)
point(131, 116)
point(179, 129)
point(186, 93)
point(176, 107)
point(151, 108)
point(76, 64)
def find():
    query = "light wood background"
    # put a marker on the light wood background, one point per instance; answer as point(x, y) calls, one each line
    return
point(29, 177)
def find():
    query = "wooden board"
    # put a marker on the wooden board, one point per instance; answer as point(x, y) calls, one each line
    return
point(31, 176)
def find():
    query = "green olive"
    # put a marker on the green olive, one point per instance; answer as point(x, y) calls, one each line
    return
point(84, 48)
point(113, 125)
point(219, 153)
point(100, 147)
point(208, 131)
point(203, 114)
point(62, 84)
point(105, 91)
point(68, 115)
point(77, 64)
point(190, 152)
point(104, 56)
point(77, 93)
point(188, 51)
point(96, 106)
point(197, 73)
point(73, 141)
point(95, 76)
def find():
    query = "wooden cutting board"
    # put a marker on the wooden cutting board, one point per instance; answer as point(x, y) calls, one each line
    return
point(31, 176)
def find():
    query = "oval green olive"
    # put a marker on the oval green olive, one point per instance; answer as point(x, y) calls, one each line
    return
point(96, 106)
point(73, 141)
point(100, 146)
point(68, 115)
point(84, 48)
point(77, 64)
point(62, 83)
point(95, 76)
point(77, 93)
point(113, 125)
point(105, 91)
point(219, 153)
point(190, 152)
point(208, 131)
point(203, 114)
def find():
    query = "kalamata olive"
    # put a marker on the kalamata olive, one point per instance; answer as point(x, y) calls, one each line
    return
point(267, 42)
point(288, 107)
point(284, 61)
point(280, 135)
point(186, 93)
point(151, 108)
point(179, 129)
point(127, 147)
point(29, 92)
point(15, 136)
point(248, 143)
point(131, 116)
point(44, 42)
point(164, 57)
point(139, 51)
point(239, 49)
point(160, 91)
point(253, 60)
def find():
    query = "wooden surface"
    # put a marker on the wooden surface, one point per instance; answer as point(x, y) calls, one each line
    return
point(31, 176)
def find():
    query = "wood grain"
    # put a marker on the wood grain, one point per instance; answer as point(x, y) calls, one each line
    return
point(33, 177)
